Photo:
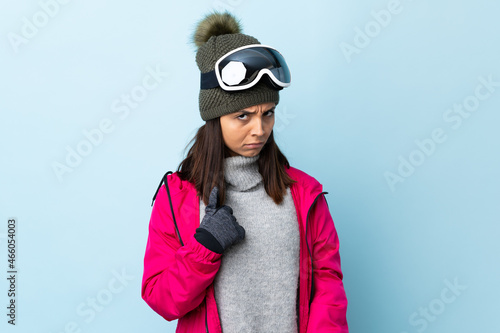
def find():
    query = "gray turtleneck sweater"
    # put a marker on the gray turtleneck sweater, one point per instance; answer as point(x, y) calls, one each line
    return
point(256, 286)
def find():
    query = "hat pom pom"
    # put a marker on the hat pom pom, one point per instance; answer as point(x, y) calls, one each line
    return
point(215, 24)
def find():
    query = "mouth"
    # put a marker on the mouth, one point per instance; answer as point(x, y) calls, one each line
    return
point(254, 145)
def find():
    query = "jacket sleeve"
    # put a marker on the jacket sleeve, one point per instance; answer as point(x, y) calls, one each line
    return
point(175, 277)
point(329, 304)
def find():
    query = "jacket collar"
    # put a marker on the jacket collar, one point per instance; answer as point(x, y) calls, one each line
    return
point(306, 189)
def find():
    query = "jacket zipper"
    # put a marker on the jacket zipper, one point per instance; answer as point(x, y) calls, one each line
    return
point(206, 307)
point(309, 249)
point(206, 315)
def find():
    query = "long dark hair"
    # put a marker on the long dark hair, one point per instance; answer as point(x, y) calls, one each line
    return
point(204, 164)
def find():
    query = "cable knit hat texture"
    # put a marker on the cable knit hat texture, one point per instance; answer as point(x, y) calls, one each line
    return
point(216, 35)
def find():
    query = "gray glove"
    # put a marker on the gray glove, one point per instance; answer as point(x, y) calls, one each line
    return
point(220, 224)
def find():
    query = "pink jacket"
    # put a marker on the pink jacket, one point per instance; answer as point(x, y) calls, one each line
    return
point(177, 280)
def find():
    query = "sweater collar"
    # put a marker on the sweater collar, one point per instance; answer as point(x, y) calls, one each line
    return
point(241, 173)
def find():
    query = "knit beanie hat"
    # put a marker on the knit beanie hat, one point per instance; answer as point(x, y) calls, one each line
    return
point(216, 35)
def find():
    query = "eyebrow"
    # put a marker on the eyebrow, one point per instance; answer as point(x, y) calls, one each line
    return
point(249, 112)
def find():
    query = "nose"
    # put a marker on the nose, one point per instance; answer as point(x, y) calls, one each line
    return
point(258, 127)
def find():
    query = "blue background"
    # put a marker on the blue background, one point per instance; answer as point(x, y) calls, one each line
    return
point(358, 104)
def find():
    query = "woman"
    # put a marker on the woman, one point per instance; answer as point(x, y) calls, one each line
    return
point(239, 241)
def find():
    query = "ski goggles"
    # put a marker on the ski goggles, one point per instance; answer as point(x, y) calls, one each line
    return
point(242, 68)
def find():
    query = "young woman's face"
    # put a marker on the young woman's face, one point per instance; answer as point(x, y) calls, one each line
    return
point(243, 129)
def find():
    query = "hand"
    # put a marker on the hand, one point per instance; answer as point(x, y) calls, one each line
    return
point(220, 222)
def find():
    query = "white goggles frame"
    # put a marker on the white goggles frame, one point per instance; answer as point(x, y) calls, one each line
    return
point(263, 71)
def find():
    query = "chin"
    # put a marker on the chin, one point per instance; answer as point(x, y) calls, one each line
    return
point(251, 153)
point(246, 153)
